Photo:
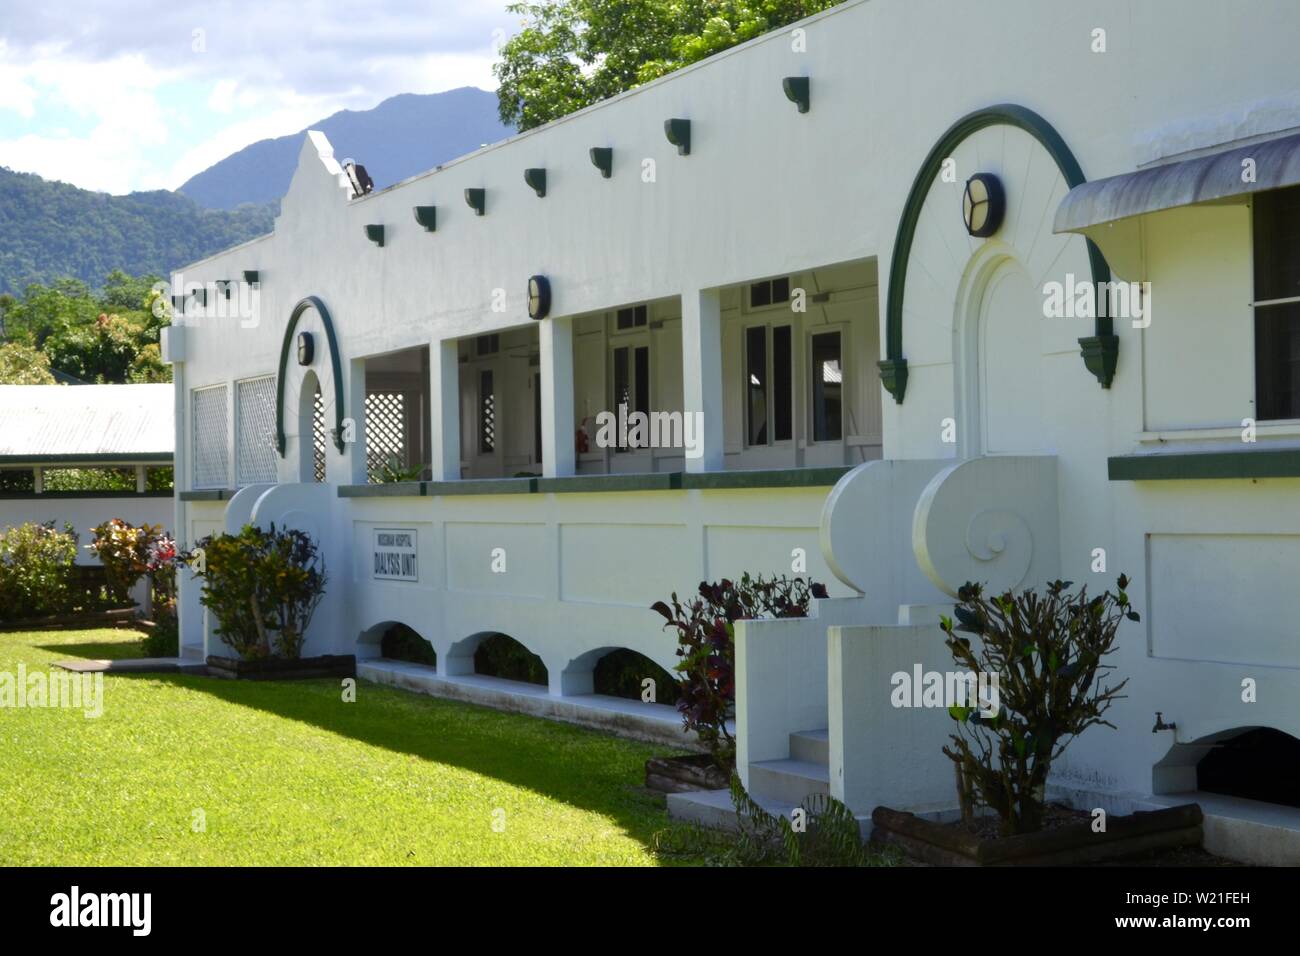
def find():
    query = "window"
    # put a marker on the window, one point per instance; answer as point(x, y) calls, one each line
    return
point(631, 381)
point(769, 395)
point(487, 413)
point(827, 374)
point(487, 344)
point(769, 292)
point(1276, 226)
point(211, 442)
point(632, 317)
point(255, 460)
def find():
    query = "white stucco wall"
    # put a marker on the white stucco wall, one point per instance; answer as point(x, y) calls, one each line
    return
point(768, 191)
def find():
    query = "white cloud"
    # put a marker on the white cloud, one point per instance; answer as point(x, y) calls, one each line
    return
point(112, 106)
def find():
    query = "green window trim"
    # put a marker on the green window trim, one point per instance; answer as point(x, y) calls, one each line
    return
point(207, 494)
point(1100, 351)
point(1205, 466)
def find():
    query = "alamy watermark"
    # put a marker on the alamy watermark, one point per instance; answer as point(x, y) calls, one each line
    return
point(1074, 299)
point(217, 299)
point(626, 429)
point(946, 689)
point(39, 690)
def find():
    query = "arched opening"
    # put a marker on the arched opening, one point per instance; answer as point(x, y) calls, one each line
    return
point(395, 641)
point(1255, 764)
point(500, 655)
point(311, 430)
point(624, 673)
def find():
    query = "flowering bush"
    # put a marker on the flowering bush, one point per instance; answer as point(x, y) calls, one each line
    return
point(123, 550)
point(36, 567)
point(706, 643)
point(262, 587)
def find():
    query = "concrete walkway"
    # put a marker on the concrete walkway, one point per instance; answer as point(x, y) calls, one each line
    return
point(654, 723)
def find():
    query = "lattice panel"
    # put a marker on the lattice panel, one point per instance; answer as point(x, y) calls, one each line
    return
point(211, 451)
point(318, 436)
point(256, 456)
point(385, 431)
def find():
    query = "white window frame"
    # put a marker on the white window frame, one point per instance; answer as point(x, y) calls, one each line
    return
point(770, 325)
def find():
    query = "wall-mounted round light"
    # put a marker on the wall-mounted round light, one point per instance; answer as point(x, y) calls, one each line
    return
point(539, 297)
point(983, 204)
point(306, 348)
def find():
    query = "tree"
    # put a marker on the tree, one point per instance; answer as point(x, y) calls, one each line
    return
point(23, 365)
point(572, 53)
point(107, 336)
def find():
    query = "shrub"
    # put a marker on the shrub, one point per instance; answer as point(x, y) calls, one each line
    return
point(1047, 653)
point(37, 564)
point(163, 639)
point(401, 643)
point(123, 550)
point(500, 655)
point(620, 674)
point(706, 643)
point(262, 587)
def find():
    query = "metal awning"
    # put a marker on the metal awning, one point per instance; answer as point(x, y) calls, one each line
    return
point(1216, 177)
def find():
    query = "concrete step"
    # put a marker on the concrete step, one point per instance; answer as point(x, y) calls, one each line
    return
point(812, 746)
point(788, 781)
point(714, 809)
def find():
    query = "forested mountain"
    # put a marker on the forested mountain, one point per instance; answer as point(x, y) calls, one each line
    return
point(400, 137)
point(51, 230)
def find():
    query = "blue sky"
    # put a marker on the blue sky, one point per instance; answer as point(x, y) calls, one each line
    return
point(120, 96)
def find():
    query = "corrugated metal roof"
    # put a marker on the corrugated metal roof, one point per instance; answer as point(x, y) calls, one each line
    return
point(82, 422)
point(1218, 176)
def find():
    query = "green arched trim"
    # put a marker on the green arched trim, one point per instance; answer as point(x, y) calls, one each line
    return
point(1100, 350)
point(286, 348)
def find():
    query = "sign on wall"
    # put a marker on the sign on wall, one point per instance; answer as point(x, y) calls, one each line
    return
point(395, 555)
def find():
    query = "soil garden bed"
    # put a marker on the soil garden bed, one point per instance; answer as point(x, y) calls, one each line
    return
point(79, 619)
point(328, 665)
point(1068, 838)
point(682, 774)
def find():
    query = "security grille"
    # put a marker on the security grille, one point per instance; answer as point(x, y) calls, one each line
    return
point(318, 436)
point(256, 452)
point(385, 431)
point(211, 453)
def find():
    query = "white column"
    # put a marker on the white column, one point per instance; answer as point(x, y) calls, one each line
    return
point(558, 457)
point(702, 376)
point(444, 409)
point(354, 451)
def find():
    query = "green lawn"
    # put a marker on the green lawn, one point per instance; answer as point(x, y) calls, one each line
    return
point(287, 773)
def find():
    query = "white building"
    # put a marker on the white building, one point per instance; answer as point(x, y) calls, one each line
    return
point(876, 385)
point(59, 444)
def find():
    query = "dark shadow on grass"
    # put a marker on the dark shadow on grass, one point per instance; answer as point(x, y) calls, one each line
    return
point(96, 651)
point(579, 767)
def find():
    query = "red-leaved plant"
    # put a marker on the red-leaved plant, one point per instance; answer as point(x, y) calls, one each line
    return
point(706, 639)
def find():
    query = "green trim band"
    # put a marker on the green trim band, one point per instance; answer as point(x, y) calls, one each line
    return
point(629, 481)
point(208, 494)
point(33, 496)
point(103, 457)
point(1205, 466)
point(1104, 343)
point(593, 484)
point(765, 478)
point(311, 302)
point(391, 489)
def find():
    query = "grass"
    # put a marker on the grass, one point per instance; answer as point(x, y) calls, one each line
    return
point(287, 773)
